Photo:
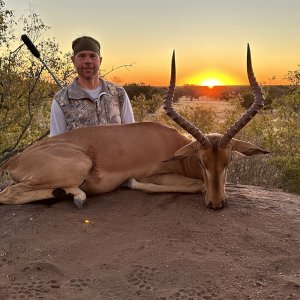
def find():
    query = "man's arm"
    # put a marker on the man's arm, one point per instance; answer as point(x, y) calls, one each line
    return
point(126, 111)
point(57, 119)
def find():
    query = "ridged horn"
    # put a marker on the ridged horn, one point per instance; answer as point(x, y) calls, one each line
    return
point(257, 105)
point(182, 122)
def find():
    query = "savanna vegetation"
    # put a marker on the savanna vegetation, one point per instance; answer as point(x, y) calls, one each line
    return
point(26, 90)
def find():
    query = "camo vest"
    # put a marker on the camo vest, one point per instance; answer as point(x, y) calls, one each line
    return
point(81, 111)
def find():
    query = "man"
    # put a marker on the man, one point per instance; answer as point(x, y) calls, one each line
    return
point(89, 100)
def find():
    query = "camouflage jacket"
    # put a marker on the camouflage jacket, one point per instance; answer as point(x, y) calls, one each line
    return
point(81, 111)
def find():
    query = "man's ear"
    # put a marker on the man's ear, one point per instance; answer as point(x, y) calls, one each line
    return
point(184, 151)
point(247, 148)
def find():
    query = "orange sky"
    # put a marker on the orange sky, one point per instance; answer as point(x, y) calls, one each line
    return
point(210, 37)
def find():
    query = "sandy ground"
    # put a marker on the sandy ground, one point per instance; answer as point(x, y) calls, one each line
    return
point(131, 245)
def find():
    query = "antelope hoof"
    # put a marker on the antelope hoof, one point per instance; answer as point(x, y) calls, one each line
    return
point(79, 203)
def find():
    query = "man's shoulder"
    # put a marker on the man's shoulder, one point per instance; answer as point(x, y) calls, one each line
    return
point(107, 82)
point(114, 88)
point(61, 94)
point(110, 84)
point(71, 90)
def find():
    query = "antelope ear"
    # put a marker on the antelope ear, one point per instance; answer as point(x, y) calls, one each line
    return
point(184, 151)
point(246, 148)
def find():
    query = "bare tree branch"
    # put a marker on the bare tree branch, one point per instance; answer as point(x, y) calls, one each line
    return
point(115, 68)
point(28, 123)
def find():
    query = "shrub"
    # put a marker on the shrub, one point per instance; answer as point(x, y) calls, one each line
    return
point(203, 118)
point(139, 107)
point(277, 132)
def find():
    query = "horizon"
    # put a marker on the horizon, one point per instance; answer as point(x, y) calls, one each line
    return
point(209, 87)
point(210, 38)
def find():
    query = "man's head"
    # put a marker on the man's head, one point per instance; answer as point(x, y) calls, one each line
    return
point(86, 57)
point(85, 43)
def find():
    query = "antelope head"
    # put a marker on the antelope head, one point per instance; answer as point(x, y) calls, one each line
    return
point(214, 151)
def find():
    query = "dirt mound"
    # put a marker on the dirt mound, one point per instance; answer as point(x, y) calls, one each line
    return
point(129, 245)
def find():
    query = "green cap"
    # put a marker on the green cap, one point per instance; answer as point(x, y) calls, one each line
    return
point(85, 43)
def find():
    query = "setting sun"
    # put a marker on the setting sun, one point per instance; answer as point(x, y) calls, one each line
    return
point(211, 82)
point(211, 79)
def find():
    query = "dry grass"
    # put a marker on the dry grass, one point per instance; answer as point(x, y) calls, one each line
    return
point(219, 107)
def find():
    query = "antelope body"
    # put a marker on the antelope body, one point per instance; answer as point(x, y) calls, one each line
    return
point(149, 156)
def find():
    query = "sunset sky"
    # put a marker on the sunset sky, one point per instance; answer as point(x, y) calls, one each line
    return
point(209, 37)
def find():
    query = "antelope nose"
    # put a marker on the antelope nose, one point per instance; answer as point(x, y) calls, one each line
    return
point(218, 205)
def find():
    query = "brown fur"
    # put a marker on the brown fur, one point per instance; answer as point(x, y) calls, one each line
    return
point(99, 159)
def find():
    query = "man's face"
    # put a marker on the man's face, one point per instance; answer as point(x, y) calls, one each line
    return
point(87, 64)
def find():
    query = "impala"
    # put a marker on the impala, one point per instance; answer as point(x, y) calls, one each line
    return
point(148, 156)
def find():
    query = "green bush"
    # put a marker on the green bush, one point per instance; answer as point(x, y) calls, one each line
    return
point(277, 131)
point(142, 106)
point(139, 107)
point(290, 172)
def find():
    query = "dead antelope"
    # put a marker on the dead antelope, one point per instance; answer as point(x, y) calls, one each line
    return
point(154, 157)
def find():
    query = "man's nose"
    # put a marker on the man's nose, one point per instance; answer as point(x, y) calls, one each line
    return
point(87, 60)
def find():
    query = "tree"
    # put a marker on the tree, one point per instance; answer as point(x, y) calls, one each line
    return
point(136, 89)
point(294, 77)
point(145, 99)
point(25, 90)
point(142, 106)
point(191, 91)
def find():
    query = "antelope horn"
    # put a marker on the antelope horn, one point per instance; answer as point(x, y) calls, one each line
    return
point(182, 122)
point(257, 104)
